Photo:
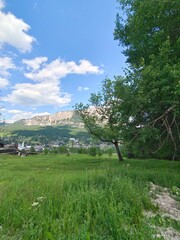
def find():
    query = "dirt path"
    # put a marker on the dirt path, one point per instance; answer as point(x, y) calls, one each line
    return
point(168, 208)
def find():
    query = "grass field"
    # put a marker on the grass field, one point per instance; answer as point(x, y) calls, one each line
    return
point(56, 197)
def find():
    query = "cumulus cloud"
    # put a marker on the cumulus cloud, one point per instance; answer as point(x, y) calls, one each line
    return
point(80, 89)
point(45, 89)
point(3, 110)
point(2, 4)
point(28, 94)
point(13, 31)
point(14, 111)
point(58, 69)
point(3, 82)
point(6, 63)
point(34, 64)
point(18, 115)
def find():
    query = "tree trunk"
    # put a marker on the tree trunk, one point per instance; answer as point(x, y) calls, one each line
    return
point(120, 158)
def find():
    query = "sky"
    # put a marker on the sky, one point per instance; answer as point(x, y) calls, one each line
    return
point(54, 54)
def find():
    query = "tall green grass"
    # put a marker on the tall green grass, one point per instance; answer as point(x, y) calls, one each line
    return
point(56, 197)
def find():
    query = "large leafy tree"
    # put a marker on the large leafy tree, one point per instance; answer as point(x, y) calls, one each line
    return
point(147, 25)
point(103, 116)
point(150, 35)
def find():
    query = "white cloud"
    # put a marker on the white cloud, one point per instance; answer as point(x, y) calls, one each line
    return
point(6, 63)
point(15, 111)
point(3, 110)
point(40, 94)
point(58, 69)
point(3, 82)
point(45, 89)
point(2, 4)
point(35, 63)
point(80, 89)
point(18, 115)
point(13, 31)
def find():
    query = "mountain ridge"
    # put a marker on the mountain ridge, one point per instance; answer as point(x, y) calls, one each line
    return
point(68, 117)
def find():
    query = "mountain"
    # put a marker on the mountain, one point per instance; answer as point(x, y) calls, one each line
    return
point(59, 118)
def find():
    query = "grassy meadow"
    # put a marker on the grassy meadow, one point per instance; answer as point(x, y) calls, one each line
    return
point(55, 197)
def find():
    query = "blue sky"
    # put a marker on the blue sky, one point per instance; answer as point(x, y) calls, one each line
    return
point(54, 54)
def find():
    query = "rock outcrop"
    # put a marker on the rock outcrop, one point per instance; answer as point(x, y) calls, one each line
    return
point(59, 118)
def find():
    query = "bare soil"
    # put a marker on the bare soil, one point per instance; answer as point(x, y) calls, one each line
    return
point(168, 207)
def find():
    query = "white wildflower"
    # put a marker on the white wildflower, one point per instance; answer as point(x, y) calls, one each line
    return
point(34, 204)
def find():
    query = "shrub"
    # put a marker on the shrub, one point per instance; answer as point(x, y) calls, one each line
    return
point(93, 151)
point(99, 152)
point(46, 151)
point(110, 152)
point(62, 149)
point(82, 150)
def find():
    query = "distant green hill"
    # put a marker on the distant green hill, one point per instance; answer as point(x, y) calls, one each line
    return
point(42, 134)
point(56, 128)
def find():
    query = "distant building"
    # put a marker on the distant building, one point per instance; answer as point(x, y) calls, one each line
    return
point(8, 149)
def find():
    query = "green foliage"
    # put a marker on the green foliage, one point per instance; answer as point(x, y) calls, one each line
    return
point(109, 151)
point(93, 151)
point(68, 154)
point(32, 149)
point(105, 116)
point(54, 150)
point(82, 150)
point(151, 44)
point(46, 151)
point(141, 34)
point(62, 149)
point(99, 151)
point(176, 191)
point(43, 135)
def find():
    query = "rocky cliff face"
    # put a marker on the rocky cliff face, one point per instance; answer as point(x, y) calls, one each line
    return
point(59, 118)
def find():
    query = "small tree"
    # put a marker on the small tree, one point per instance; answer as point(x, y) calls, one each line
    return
point(46, 151)
point(82, 150)
point(54, 150)
point(102, 117)
point(99, 152)
point(93, 151)
point(32, 149)
point(62, 149)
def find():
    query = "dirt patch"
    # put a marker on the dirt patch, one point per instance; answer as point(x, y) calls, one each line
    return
point(167, 233)
point(168, 207)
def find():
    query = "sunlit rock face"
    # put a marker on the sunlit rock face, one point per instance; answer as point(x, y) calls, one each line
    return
point(59, 118)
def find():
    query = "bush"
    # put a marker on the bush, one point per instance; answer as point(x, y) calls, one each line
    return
point(93, 151)
point(54, 150)
point(62, 149)
point(82, 150)
point(46, 151)
point(32, 150)
point(99, 152)
point(110, 152)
